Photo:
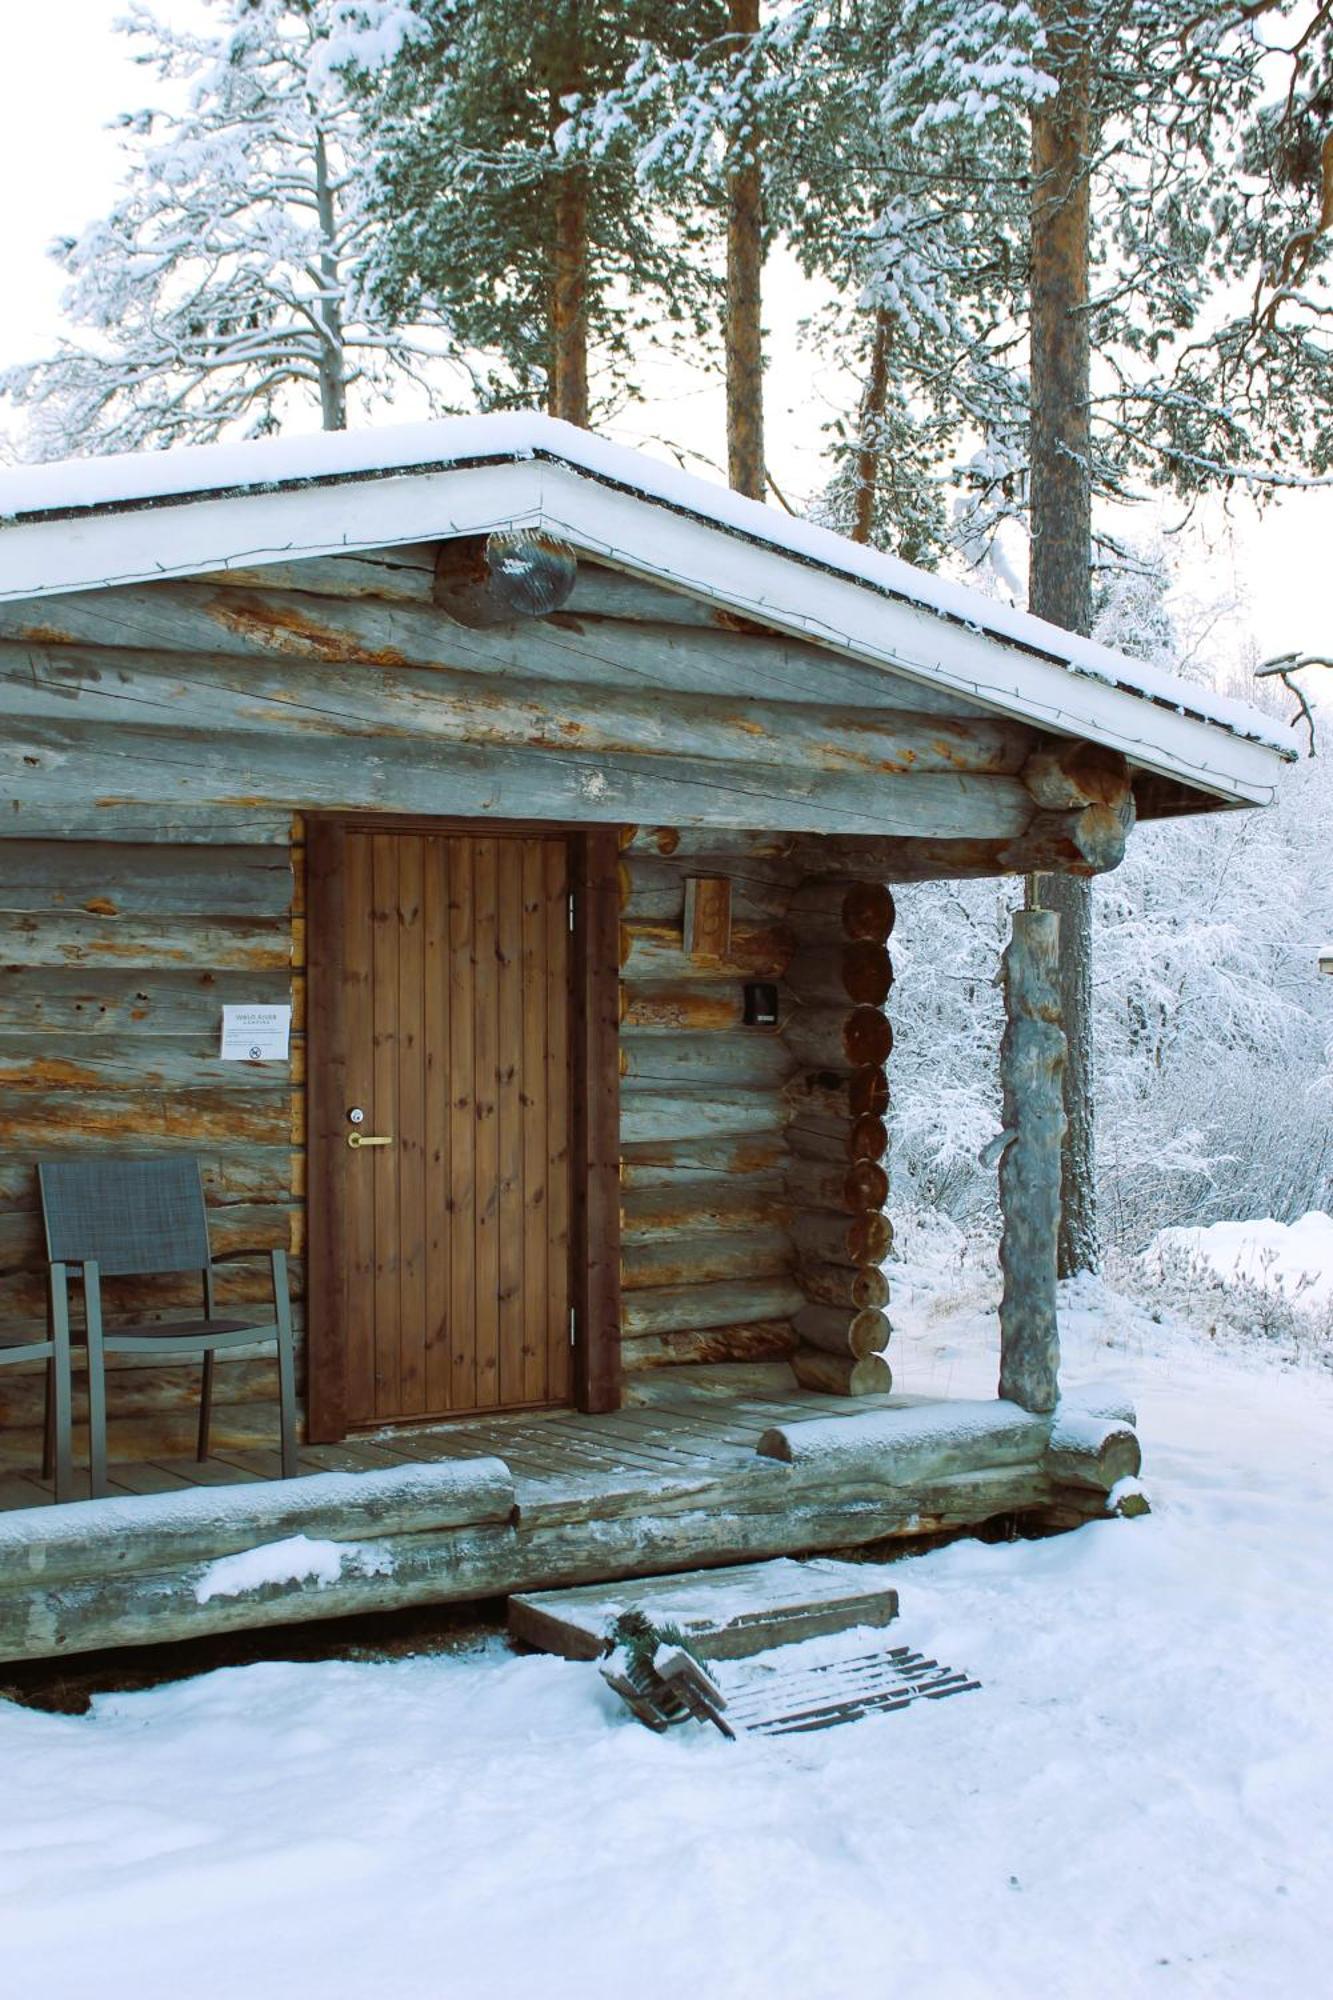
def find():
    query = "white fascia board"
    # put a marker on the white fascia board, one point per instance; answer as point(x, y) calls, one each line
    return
point(177, 538)
point(913, 643)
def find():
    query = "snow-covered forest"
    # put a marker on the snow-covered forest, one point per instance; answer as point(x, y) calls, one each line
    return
point(338, 211)
point(1053, 281)
point(1213, 1030)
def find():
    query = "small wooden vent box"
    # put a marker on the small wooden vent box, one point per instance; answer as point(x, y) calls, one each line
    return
point(708, 918)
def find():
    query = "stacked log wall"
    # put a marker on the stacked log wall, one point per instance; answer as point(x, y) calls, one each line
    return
point(706, 1244)
point(117, 959)
point(195, 716)
point(837, 1180)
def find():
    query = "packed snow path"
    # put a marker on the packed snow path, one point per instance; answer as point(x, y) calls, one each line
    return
point(1137, 1802)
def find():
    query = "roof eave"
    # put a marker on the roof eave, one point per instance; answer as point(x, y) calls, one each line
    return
point(104, 546)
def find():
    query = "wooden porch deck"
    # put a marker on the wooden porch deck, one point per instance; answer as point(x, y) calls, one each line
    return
point(681, 1419)
point(470, 1510)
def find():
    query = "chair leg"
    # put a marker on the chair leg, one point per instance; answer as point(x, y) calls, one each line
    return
point(205, 1407)
point(49, 1407)
point(49, 1419)
point(92, 1297)
point(59, 1407)
point(286, 1367)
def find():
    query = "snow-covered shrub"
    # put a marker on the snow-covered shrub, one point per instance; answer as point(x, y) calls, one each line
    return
point(1243, 1307)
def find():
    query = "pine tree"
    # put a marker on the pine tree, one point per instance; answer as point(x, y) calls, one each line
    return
point(509, 198)
point(745, 264)
point(1158, 179)
point(224, 289)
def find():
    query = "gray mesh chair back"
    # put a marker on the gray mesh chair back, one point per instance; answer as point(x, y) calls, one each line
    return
point(130, 1217)
point(140, 1218)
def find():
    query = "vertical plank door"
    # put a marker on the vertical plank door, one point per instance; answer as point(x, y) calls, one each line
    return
point(456, 1021)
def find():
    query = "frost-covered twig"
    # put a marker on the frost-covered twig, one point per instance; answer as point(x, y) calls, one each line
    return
point(1282, 668)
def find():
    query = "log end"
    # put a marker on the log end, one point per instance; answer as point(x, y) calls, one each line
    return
point(839, 1375)
point(1095, 1452)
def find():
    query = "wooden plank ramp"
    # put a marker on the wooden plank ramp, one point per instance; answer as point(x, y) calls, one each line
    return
point(790, 1701)
point(725, 1614)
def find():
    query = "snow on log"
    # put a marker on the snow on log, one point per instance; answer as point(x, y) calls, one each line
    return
point(569, 1532)
point(1032, 1061)
point(1092, 1451)
point(901, 1446)
point(152, 1530)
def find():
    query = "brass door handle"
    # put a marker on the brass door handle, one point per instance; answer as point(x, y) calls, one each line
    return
point(367, 1139)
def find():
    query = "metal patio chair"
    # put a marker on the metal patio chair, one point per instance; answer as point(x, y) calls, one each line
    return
point(122, 1218)
point(57, 1429)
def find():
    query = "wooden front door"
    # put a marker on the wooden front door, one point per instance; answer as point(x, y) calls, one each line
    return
point(455, 1028)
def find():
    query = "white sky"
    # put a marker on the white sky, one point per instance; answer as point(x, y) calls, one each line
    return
point(66, 74)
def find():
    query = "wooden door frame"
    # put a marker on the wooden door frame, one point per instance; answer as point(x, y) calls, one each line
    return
point(595, 1104)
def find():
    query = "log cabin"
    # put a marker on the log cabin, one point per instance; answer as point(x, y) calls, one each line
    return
point(561, 797)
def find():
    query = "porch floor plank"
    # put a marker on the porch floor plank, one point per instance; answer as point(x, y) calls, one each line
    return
point(19, 1492)
point(688, 1422)
point(211, 1472)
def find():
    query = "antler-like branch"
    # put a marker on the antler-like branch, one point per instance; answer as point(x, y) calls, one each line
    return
point(1282, 668)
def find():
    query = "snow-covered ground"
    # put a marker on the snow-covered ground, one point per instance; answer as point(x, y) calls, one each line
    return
point(1294, 1259)
point(1136, 1803)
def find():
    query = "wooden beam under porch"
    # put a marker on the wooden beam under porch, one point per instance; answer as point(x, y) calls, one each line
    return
point(707, 1466)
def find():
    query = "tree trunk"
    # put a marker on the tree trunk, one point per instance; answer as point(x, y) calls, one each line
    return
point(567, 377)
point(567, 392)
point(872, 416)
point(745, 262)
point(332, 373)
point(1061, 502)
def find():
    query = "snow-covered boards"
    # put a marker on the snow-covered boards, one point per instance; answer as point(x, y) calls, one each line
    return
point(726, 1614)
point(661, 1681)
point(785, 1701)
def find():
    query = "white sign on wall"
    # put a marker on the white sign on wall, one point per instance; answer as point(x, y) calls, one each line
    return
point(256, 1034)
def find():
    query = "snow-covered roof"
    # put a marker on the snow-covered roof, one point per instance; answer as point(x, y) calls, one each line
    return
point(88, 523)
